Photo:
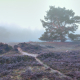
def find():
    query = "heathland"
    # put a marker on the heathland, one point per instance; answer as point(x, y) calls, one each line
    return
point(40, 61)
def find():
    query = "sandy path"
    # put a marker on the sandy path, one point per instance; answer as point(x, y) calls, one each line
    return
point(46, 66)
point(25, 53)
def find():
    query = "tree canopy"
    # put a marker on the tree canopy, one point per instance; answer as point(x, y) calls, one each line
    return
point(74, 37)
point(59, 23)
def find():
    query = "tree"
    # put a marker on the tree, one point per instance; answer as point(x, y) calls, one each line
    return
point(58, 23)
point(74, 37)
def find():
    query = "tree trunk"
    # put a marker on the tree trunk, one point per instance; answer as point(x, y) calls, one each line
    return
point(62, 38)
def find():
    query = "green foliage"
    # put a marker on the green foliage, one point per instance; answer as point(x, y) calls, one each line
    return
point(45, 37)
point(74, 37)
point(58, 23)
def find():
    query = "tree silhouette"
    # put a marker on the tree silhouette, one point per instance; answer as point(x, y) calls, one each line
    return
point(59, 22)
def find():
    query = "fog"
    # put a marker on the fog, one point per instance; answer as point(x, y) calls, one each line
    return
point(16, 34)
point(20, 19)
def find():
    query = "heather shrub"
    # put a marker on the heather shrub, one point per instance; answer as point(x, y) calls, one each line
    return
point(15, 47)
point(50, 54)
point(29, 47)
point(28, 75)
point(5, 48)
point(6, 78)
point(14, 59)
point(4, 73)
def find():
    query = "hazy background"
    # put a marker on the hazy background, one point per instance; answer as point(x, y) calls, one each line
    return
point(20, 19)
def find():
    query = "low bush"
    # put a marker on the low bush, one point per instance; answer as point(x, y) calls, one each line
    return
point(14, 59)
point(50, 55)
point(29, 75)
point(4, 73)
point(5, 48)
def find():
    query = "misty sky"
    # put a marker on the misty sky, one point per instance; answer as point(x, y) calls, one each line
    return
point(20, 19)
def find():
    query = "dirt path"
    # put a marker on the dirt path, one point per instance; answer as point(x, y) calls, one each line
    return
point(25, 53)
point(46, 66)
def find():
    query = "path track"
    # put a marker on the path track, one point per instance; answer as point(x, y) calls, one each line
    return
point(46, 66)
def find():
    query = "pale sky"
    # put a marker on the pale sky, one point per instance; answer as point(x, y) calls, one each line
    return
point(26, 14)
